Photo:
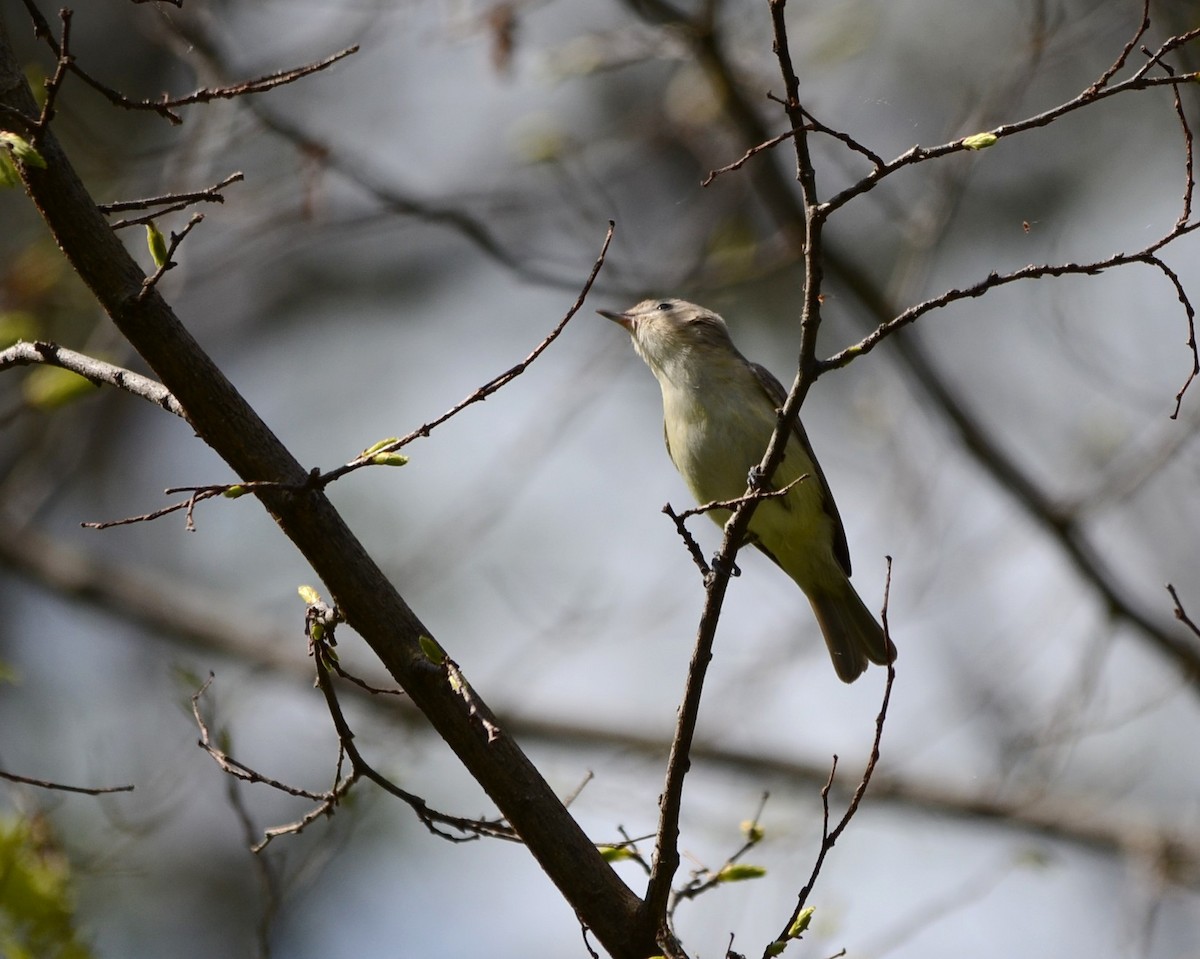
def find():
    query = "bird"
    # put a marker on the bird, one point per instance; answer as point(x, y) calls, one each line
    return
point(719, 412)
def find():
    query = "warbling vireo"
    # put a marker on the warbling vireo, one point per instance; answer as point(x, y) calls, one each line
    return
point(719, 411)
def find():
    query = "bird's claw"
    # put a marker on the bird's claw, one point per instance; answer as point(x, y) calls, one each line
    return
point(718, 563)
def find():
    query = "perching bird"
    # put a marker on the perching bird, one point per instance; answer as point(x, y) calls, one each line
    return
point(719, 411)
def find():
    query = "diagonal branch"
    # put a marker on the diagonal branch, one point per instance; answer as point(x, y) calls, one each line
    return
point(360, 590)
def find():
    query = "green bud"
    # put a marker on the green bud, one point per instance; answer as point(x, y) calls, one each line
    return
point(389, 459)
point(737, 873)
point(22, 149)
point(802, 922)
point(775, 948)
point(433, 652)
point(979, 141)
point(316, 632)
point(237, 490)
point(157, 244)
point(376, 447)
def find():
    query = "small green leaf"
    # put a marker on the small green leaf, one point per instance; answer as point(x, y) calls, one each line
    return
point(376, 447)
point(310, 596)
point(433, 652)
point(22, 149)
point(51, 387)
point(389, 459)
point(979, 141)
point(775, 948)
point(615, 853)
point(157, 244)
point(802, 922)
point(737, 873)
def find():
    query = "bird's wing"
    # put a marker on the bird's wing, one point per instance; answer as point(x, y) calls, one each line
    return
point(778, 396)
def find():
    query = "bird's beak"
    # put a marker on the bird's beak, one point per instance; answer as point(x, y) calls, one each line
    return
point(623, 319)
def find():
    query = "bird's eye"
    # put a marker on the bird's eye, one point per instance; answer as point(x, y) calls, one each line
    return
point(664, 305)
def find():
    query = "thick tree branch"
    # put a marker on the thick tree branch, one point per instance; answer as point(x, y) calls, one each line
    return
point(370, 604)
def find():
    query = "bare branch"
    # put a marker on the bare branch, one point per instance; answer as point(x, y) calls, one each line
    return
point(919, 154)
point(61, 787)
point(52, 86)
point(96, 371)
point(494, 384)
point(170, 202)
point(704, 879)
point(466, 829)
point(666, 854)
point(1123, 57)
point(829, 837)
point(167, 106)
point(1181, 614)
point(994, 280)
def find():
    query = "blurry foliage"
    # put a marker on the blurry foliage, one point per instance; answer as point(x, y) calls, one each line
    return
point(37, 911)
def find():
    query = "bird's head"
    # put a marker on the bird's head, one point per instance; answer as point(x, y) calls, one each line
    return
point(672, 334)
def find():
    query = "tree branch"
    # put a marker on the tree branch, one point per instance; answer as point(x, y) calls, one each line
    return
point(370, 604)
point(95, 371)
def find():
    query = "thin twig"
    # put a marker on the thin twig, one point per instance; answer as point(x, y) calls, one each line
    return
point(705, 879)
point(666, 853)
point(919, 154)
point(829, 837)
point(207, 195)
point(1123, 57)
point(490, 387)
point(1181, 613)
point(689, 541)
point(166, 106)
point(52, 86)
point(993, 280)
point(467, 829)
point(746, 157)
point(62, 787)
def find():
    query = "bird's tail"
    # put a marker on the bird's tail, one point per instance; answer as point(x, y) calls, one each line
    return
point(851, 632)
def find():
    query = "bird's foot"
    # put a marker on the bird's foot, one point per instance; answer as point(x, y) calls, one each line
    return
point(718, 564)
